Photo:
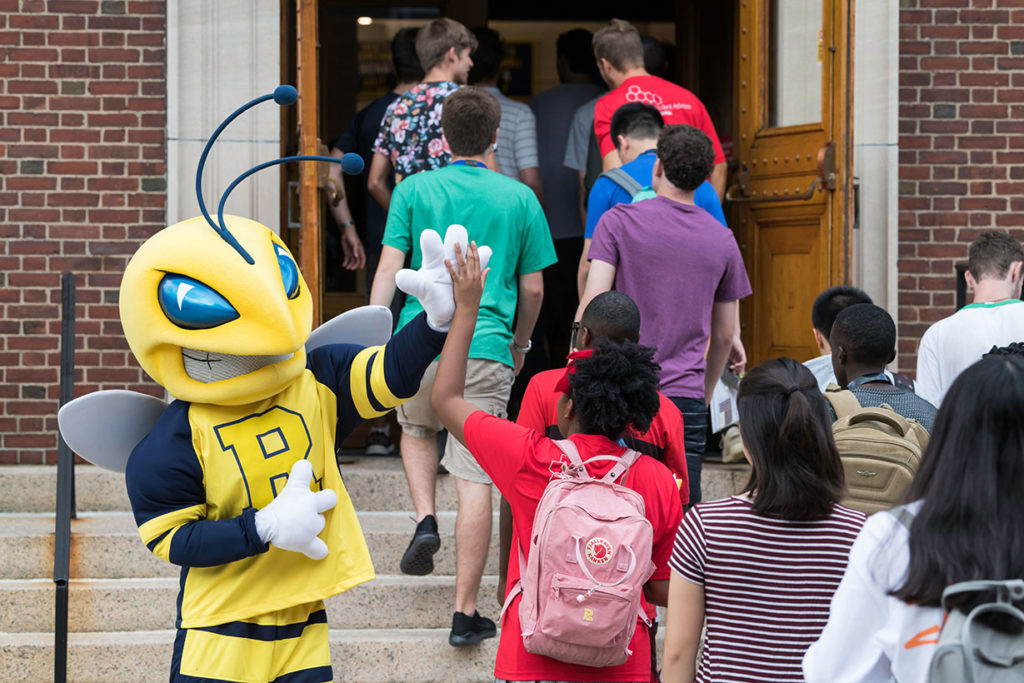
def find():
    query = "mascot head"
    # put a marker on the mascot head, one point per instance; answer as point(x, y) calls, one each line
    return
point(217, 312)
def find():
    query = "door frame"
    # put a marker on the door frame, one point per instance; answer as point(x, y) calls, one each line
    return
point(767, 195)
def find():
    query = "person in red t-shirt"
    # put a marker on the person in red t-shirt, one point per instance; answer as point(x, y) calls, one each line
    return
point(620, 59)
point(611, 316)
point(614, 388)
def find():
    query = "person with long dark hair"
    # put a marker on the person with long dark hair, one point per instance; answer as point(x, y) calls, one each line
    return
point(761, 567)
point(601, 396)
point(966, 522)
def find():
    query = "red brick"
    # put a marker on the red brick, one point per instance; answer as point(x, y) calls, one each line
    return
point(994, 111)
point(71, 167)
point(982, 204)
point(970, 16)
point(984, 142)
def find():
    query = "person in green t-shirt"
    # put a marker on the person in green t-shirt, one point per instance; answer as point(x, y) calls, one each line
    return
point(504, 215)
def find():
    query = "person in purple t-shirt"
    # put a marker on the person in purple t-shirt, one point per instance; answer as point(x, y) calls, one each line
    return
point(684, 270)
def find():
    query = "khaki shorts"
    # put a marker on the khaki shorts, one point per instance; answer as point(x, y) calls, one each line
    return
point(488, 386)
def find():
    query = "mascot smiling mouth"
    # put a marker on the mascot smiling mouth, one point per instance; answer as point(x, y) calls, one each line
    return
point(208, 366)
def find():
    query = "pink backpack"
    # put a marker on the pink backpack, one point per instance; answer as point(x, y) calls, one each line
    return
point(590, 556)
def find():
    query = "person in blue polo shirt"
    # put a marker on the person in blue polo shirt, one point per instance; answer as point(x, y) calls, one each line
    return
point(635, 128)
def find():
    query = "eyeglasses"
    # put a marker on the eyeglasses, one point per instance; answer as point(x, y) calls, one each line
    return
point(576, 326)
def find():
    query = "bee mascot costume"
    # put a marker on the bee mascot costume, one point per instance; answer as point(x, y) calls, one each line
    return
point(236, 480)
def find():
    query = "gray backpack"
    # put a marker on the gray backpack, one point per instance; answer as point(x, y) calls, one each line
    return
point(970, 651)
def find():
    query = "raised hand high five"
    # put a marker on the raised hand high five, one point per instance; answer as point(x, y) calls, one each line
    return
point(432, 284)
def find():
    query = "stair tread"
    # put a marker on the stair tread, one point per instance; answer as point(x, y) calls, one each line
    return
point(32, 524)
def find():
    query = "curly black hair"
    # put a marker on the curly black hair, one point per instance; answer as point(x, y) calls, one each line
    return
point(1012, 349)
point(687, 155)
point(615, 388)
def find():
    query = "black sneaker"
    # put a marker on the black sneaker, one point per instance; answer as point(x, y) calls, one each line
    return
point(378, 443)
point(418, 559)
point(470, 630)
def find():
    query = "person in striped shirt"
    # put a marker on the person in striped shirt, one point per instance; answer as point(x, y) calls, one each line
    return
point(762, 566)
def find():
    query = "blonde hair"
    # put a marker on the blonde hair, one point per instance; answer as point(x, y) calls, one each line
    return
point(438, 36)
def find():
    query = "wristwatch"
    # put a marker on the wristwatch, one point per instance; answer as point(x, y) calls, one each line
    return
point(522, 349)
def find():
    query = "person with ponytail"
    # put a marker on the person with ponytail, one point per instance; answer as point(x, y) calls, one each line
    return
point(601, 396)
point(965, 523)
point(761, 566)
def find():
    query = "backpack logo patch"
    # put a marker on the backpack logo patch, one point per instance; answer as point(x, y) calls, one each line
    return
point(598, 551)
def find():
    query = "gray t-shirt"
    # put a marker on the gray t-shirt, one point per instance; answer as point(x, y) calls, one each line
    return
point(555, 110)
point(517, 136)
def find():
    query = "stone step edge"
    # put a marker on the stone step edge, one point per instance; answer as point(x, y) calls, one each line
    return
point(106, 582)
point(118, 638)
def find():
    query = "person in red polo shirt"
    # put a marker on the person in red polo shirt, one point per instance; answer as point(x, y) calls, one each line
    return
point(614, 388)
point(620, 59)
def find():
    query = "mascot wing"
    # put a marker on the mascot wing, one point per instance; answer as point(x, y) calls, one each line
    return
point(104, 427)
point(363, 326)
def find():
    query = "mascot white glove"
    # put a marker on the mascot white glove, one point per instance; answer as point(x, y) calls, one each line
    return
point(431, 284)
point(293, 519)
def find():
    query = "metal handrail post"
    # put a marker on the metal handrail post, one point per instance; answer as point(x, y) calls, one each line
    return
point(65, 484)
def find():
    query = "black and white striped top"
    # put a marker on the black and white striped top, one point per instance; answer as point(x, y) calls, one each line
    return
point(767, 584)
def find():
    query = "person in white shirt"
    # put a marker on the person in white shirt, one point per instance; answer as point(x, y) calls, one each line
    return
point(966, 522)
point(995, 318)
point(826, 308)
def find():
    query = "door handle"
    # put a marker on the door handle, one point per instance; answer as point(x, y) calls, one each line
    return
point(731, 195)
point(741, 193)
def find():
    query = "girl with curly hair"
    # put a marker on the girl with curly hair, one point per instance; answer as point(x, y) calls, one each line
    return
point(603, 394)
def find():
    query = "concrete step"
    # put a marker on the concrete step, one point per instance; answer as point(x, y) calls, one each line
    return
point(100, 605)
point(365, 656)
point(373, 483)
point(106, 545)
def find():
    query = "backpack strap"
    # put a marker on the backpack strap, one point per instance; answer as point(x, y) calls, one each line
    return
point(904, 516)
point(517, 588)
point(573, 453)
point(621, 467)
point(623, 180)
point(622, 463)
point(843, 402)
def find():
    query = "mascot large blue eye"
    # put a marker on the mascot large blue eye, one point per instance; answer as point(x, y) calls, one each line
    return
point(289, 271)
point(190, 304)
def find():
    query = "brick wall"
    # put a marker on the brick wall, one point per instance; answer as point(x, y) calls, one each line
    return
point(961, 146)
point(82, 183)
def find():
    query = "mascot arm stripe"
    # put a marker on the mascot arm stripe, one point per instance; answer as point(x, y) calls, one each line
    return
point(184, 538)
point(359, 385)
point(208, 543)
point(379, 384)
point(399, 366)
point(157, 529)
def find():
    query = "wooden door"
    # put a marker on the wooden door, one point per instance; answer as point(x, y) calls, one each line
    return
point(793, 191)
point(310, 249)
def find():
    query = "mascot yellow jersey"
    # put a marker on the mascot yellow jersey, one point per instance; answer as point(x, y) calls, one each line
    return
point(197, 480)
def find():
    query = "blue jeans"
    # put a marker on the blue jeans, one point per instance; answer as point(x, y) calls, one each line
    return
point(695, 437)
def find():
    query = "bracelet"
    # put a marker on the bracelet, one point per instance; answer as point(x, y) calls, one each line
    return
point(348, 223)
point(522, 349)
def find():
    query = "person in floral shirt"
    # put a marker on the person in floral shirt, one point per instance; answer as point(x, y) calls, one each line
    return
point(410, 138)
